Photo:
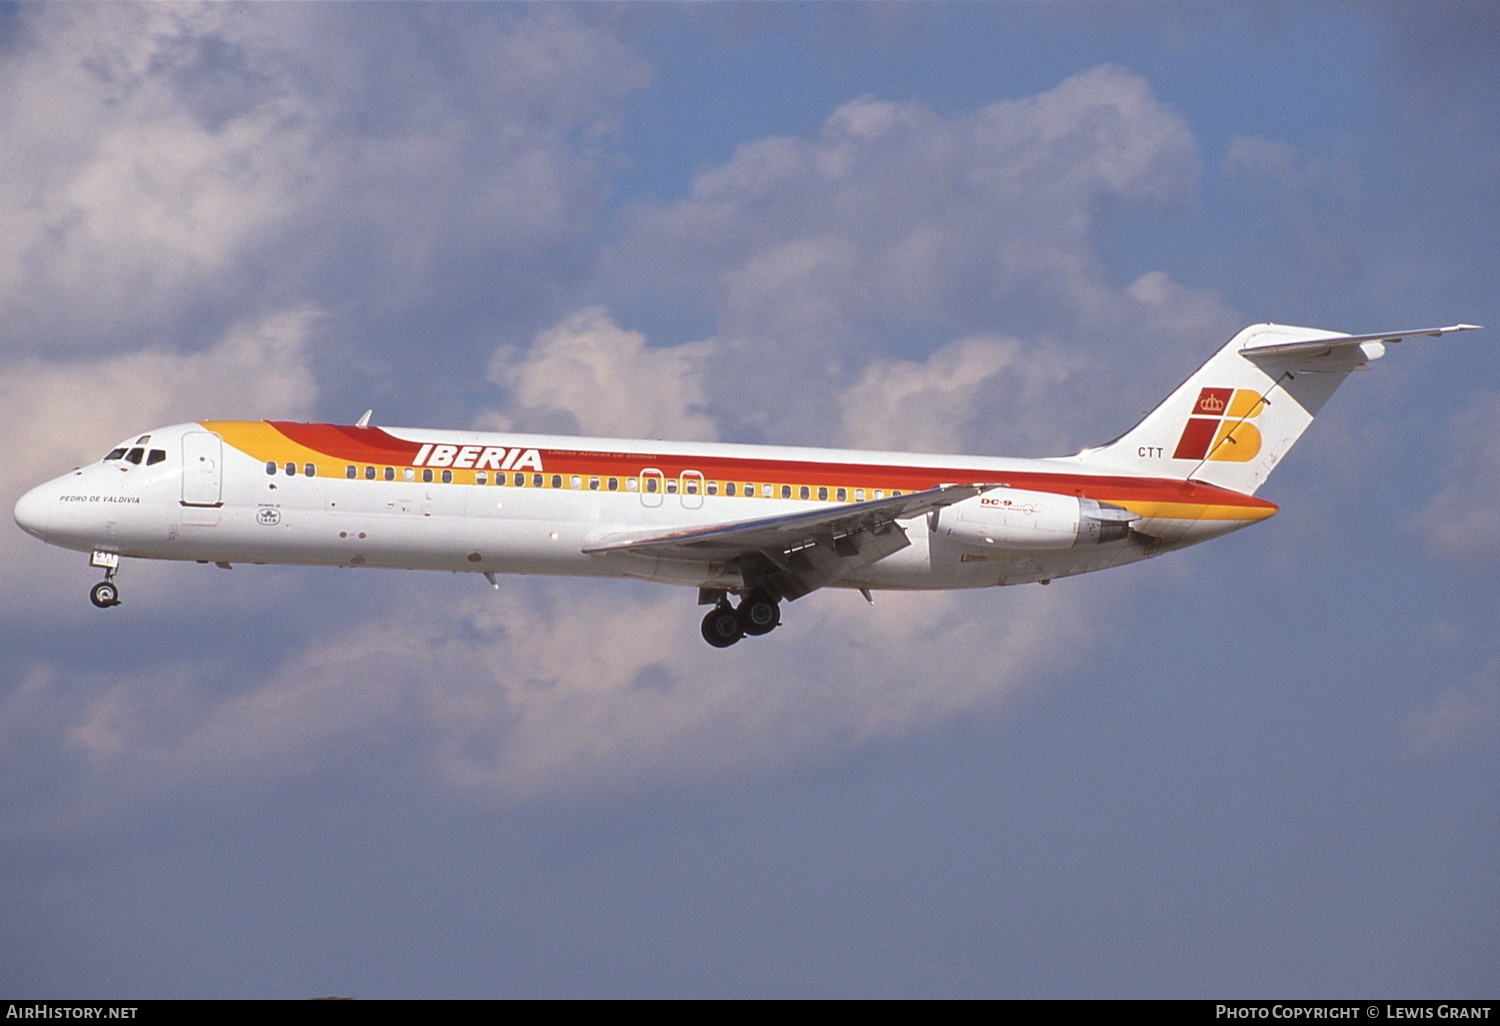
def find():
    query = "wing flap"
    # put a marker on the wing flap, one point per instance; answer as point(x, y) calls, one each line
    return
point(725, 541)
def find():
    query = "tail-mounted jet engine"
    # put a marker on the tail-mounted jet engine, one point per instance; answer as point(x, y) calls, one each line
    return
point(1012, 519)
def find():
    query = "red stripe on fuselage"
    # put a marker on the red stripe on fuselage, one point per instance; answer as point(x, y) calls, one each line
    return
point(374, 446)
point(345, 442)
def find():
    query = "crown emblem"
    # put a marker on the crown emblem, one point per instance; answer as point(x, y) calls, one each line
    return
point(1211, 404)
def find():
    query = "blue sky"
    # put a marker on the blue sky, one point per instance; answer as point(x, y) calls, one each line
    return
point(1264, 767)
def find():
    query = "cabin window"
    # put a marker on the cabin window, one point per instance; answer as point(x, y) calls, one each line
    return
point(114, 454)
point(480, 477)
point(728, 487)
point(859, 495)
point(895, 492)
point(447, 477)
point(310, 469)
point(842, 495)
point(134, 456)
point(614, 484)
point(822, 493)
point(351, 472)
point(672, 487)
point(270, 466)
point(712, 488)
point(593, 484)
point(536, 480)
point(291, 470)
point(690, 486)
point(803, 492)
point(650, 484)
point(631, 484)
point(408, 474)
point(575, 482)
point(427, 475)
point(369, 473)
point(556, 480)
point(390, 473)
point(520, 480)
point(879, 493)
point(155, 456)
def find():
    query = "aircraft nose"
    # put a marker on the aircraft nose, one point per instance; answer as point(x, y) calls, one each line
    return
point(32, 510)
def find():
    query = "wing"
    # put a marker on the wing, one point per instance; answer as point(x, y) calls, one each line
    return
point(796, 553)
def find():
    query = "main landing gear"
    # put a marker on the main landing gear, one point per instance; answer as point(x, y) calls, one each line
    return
point(106, 593)
point(757, 614)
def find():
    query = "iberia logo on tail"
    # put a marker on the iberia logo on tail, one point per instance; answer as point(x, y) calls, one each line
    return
point(1219, 427)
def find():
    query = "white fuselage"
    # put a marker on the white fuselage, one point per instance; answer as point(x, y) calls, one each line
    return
point(221, 493)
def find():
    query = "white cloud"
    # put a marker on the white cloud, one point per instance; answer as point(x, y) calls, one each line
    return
point(58, 415)
point(931, 406)
point(581, 687)
point(1263, 156)
point(1461, 718)
point(605, 381)
point(904, 211)
point(895, 223)
point(164, 163)
point(1463, 519)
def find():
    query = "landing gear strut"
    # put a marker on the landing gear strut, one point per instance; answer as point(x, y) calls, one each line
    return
point(106, 593)
point(757, 614)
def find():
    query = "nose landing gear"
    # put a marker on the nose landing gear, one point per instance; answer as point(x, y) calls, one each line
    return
point(106, 593)
point(757, 614)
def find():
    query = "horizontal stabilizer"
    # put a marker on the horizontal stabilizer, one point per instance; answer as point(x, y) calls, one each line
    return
point(1325, 343)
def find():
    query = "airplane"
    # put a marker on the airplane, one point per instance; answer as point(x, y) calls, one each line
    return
point(759, 524)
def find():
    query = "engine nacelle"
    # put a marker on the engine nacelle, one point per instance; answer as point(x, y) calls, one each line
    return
point(1009, 518)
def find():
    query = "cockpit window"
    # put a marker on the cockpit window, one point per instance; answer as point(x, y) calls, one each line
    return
point(115, 454)
point(155, 456)
point(134, 455)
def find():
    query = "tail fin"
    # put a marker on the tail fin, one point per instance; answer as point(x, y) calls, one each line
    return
point(1236, 417)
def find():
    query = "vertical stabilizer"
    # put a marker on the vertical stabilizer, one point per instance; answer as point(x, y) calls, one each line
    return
point(1236, 417)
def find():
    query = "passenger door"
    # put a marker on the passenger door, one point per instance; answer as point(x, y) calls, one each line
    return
point(202, 479)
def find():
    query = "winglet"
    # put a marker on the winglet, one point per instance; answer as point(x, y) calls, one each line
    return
point(364, 420)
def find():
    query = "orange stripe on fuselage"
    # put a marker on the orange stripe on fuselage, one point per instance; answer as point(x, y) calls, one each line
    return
point(281, 441)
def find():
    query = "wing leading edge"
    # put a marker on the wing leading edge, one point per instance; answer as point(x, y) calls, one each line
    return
point(797, 553)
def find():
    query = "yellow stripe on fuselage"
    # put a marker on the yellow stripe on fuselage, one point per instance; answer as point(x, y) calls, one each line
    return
point(1197, 511)
point(260, 441)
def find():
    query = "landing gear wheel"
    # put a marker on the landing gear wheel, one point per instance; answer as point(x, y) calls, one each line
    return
point(721, 627)
point(759, 615)
point(104, 594)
